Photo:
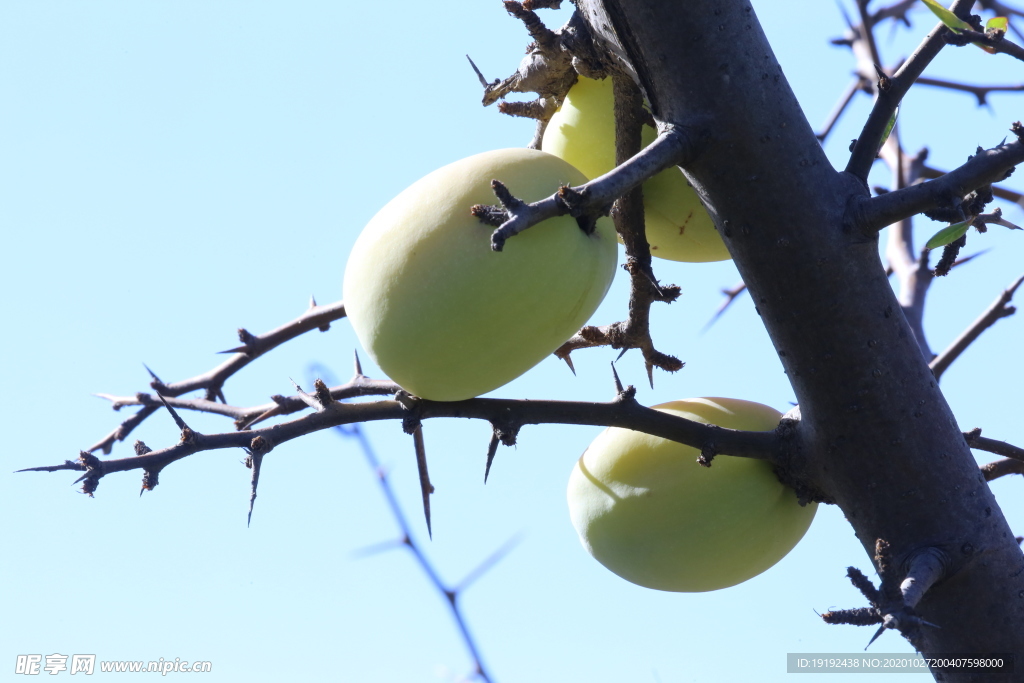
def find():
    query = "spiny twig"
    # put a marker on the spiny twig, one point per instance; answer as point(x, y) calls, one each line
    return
point(866, 146)
point(407, 541)
point(999, 309)
point(892, 605)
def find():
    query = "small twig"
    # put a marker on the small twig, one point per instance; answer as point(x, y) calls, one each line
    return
point(485, 566)
point(866, 146)
point(731, 294)
point(844, 101)
point(406, 540)
point(976, 440)
point(892, 605)
point(997, 43)
point(244, 417)
point(1000, 192)
point(979, 91)
point(628, 214)
point(593, 199)
point(1000, 308)
point(1001, 468)
point(870, 215)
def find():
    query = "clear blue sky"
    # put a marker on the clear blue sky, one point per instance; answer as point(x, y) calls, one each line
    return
point(170, 172)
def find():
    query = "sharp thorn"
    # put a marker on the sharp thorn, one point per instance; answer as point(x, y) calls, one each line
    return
point(359, 366)
point(650, 374)
point(568, 361)
point(425, 486)
point(174, 414)
point(237, 349)
point(492, 448)
point(881, 629)
point(621, 354)
point(151, 373)
point(483, 81)
point(312, 301)
point(618, 382)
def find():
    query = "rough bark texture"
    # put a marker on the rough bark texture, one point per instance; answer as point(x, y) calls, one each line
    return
point(875, 435)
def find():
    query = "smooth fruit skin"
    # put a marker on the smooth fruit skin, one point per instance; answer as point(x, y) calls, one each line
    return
point(449, 319)
point(582, 132)
point(646, 510)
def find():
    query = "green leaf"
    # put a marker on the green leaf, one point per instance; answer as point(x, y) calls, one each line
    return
point(888, 129)
point(949, 234)
point(997, 24)
point(955, 23)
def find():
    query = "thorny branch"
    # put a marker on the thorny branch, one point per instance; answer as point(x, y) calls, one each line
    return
point(1001, 468)
point(591, 200)
point(976, 440)
point(407, 540)
point(996, 42)
point(253, 346)
point(866, 146)
point(979, 91)
point(623, 411)
point(893, 603)
point(944, 194)
point(628, 214)
point(1000, 308)
point(549, 69)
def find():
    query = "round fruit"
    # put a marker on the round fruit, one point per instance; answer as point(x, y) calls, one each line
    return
point(443, 315)
point(582, 132)
point(645, 509)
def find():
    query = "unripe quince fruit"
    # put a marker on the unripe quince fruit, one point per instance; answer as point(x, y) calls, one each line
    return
point(443, 315)
point(646, 510)
point(582, 132)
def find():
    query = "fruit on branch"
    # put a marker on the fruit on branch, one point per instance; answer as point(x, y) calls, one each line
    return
point(449, 319)
point(582, 132)
point(646, 510)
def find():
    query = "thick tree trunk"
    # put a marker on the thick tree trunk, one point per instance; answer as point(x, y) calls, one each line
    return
point(876, 435)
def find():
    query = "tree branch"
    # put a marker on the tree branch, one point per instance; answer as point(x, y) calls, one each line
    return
point(999, 309)
point(976, 440)
point(244, 417)
point(407, 540)
point(1001, 468)
point(624, 412)
point(979, 91)
point(855, 86)
point(869, 215)
point(593, 199)
point(253, 346)
point(866, 146)
point(628, 214)
point(996, 43)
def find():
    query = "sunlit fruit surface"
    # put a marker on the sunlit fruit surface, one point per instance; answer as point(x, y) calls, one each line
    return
point(449, 319)
point(646, 510)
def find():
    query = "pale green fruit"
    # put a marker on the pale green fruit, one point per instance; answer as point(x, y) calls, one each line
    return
point(443, 315)
point(646, 509)
point(582, 132)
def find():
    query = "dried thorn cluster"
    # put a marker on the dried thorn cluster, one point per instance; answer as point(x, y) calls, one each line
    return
point(892, 605)
point(549, 68)
point(628, 214)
